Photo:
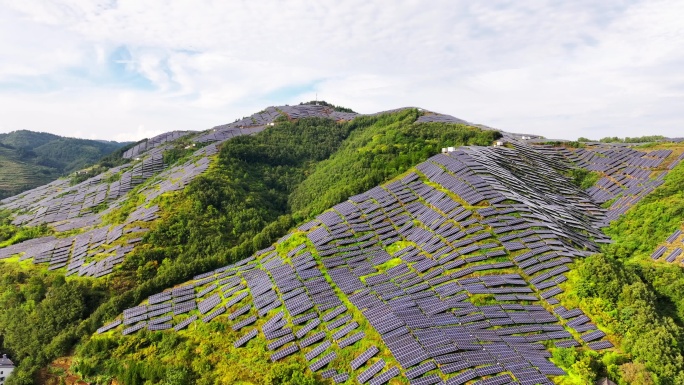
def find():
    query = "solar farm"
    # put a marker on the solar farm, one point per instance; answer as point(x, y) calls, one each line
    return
point(409, 257)
point(449, 274)
point(67, 208)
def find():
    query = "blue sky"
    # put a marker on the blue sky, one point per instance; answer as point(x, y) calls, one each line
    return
point(128, 69)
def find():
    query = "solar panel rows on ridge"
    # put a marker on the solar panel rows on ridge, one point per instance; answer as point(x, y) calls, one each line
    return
point(419, 304)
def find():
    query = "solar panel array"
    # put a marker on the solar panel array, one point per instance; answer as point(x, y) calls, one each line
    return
point(152, 143)
point(177, 177)
point(382, 207)
point(77, 253)
point(626, 173)
point(72, 207)
point(439, 118)
point(500, 223)
point(410, 255)
point(68, 207)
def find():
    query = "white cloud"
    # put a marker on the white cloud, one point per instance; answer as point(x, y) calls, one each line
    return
point(560, 69)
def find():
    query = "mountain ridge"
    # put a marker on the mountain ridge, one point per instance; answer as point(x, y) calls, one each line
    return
point(354, 224)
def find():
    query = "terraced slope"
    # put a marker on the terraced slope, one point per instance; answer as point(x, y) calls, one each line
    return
point(30, 159)
point(449, 274)
point(83, 206)
point(16, 176)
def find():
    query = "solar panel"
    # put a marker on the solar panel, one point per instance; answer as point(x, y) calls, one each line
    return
point(109, 326)
point(367, 374)
point(323, 361)
point(161, 320)
point(318, 350)
point(134, 328)
point(340, 378)
point(592, 336)
point(385, 377)
point(243, 323)
point(364, 357)
point(307, 328)
point(159, 326)
point(420, 369)
point(600, 345)
point(280, 342)
point(312, 339)
point(244, 339)
point(351, 340)
point(421, 307)
point(214, 314)
point(334, 313)
point(338, 322)
point(427, 380)
point(289, 350)
point(183, 324)
point(303, 318)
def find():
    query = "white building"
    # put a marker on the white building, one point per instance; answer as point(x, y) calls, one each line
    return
point(6, 368)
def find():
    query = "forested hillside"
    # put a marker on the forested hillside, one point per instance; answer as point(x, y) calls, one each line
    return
point(312, 245)
point(29, 159)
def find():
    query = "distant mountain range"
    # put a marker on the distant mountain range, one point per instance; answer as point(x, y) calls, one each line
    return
point(29, 159)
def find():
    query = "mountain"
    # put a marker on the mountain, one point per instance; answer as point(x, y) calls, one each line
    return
point(29, 159)
point(312, 245)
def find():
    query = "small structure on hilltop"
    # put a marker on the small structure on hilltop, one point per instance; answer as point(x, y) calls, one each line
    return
point(6, 368)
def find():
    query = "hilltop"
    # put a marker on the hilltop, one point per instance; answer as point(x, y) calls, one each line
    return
point(310, 244)
point(30, 159)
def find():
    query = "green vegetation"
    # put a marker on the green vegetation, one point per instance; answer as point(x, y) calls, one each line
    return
point(180, 150)
point(84, 175)
point(247, 190)
point(386, 146)
point(556, 143)
point(616, 296)
point(652, 220)
point(324, 103)
point(176, 154)
point(115, 158)
point(202, 355)
point(583, 178)
point(638, 302)
point(40, 314)
point(7, 231)
point(257, 189)
point(615, 139)
point(30, 159)
point(585, 366)
point(10, 234)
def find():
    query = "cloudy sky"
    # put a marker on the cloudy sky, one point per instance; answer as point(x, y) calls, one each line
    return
point(128, 69)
